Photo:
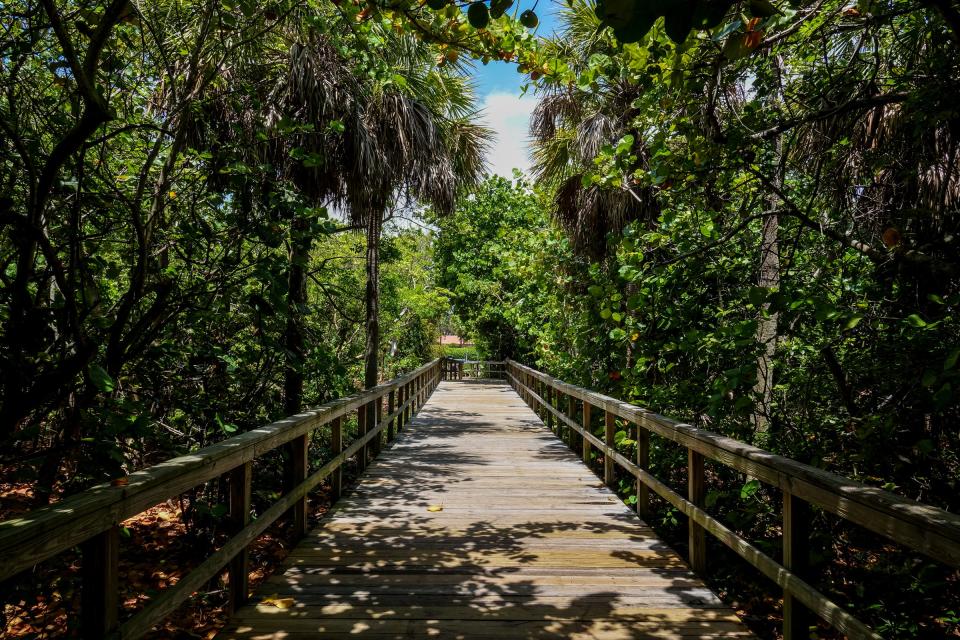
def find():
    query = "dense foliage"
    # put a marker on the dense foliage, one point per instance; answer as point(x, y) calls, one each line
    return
point(741, 214)
point(761, 226)
point(173, 264)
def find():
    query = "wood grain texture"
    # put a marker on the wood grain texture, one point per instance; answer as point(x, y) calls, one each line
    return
point(800, 590)
point(33, 537)
point(925, 528)
point(527, 543)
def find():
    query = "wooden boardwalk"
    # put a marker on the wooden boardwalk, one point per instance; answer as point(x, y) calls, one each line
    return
point(528, 544)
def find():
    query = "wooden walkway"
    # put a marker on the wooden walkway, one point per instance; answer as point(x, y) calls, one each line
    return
point(528, 544)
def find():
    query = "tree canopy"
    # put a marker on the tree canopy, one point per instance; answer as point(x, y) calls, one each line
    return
point(743, 214)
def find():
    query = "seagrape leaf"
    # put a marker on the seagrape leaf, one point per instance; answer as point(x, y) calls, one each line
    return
point(101, 379)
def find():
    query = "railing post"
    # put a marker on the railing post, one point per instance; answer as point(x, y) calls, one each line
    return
point(542, 392)
point(584, 443)
point(401, 398)
point(239, 568)
point(572, 414)
point(377, 442)
point(549, 400)
point(796, 558)
point(100, 584)
point(391, 407)
point(696, 494)
point(336, 446)
point(362, 431)
point(609, 436)
point(643, 461)
point(299, 448)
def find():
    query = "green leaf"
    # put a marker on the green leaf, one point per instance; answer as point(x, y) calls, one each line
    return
point(853, 321)
point(749, 489)
point(625, 144)
point(100, 378)
point(226, 427)
point(916, 321)
point(727, 29)
point(951, 360)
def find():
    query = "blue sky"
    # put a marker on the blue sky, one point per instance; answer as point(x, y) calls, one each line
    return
point(499, 87)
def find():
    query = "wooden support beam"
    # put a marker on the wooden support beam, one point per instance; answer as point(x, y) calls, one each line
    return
point(796, 558)
point(391, 407)
point(362, 431)
point(100, 557)
point(238, 587)
point(299, 447)
point(409, 396)
point(696, 494)
point(642, 437)
point(336, 446)
point(572, 414)
point(377, 442)
point(584, 443)
point(609, 437)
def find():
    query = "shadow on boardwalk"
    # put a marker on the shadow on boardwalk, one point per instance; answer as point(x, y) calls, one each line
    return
point(480, 523)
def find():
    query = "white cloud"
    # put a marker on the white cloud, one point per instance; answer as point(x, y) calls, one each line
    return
point(509, 116)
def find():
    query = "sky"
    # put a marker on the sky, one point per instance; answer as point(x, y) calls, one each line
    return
point(505, 110)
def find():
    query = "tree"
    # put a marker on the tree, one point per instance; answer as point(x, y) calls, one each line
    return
point(570, 127)
point(409, 136)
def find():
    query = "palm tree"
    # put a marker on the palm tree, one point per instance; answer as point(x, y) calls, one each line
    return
point(411, 136)
point(569, 127)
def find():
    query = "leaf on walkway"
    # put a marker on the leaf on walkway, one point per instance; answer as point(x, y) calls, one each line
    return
point(435, 507)
point(278, 602)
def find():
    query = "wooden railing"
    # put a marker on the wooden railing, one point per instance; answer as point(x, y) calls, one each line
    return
point(927, 529)
point(91, 519)
point(454, 369)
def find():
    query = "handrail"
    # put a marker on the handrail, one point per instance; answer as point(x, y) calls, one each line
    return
point(454, 369)
point(927, 529)
point(92, 516)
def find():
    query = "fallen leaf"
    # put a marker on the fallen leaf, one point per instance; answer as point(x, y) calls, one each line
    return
point(278, 602)
point(435, 507)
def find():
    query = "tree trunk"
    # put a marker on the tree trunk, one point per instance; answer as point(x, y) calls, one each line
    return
point(766, 330)
point(767, 323)
point(372, 352)
point(300, 242)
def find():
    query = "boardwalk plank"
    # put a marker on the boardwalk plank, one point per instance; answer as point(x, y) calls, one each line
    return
point(528, 544)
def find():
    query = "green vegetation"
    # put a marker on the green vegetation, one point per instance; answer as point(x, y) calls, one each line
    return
point(742, 214)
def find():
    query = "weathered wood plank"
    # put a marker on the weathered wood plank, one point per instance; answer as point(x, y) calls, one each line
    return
point(100, 588)
point(40, 534)
point(240, 499)
point(796, 557)
point(478, 522)
point(927, 529)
